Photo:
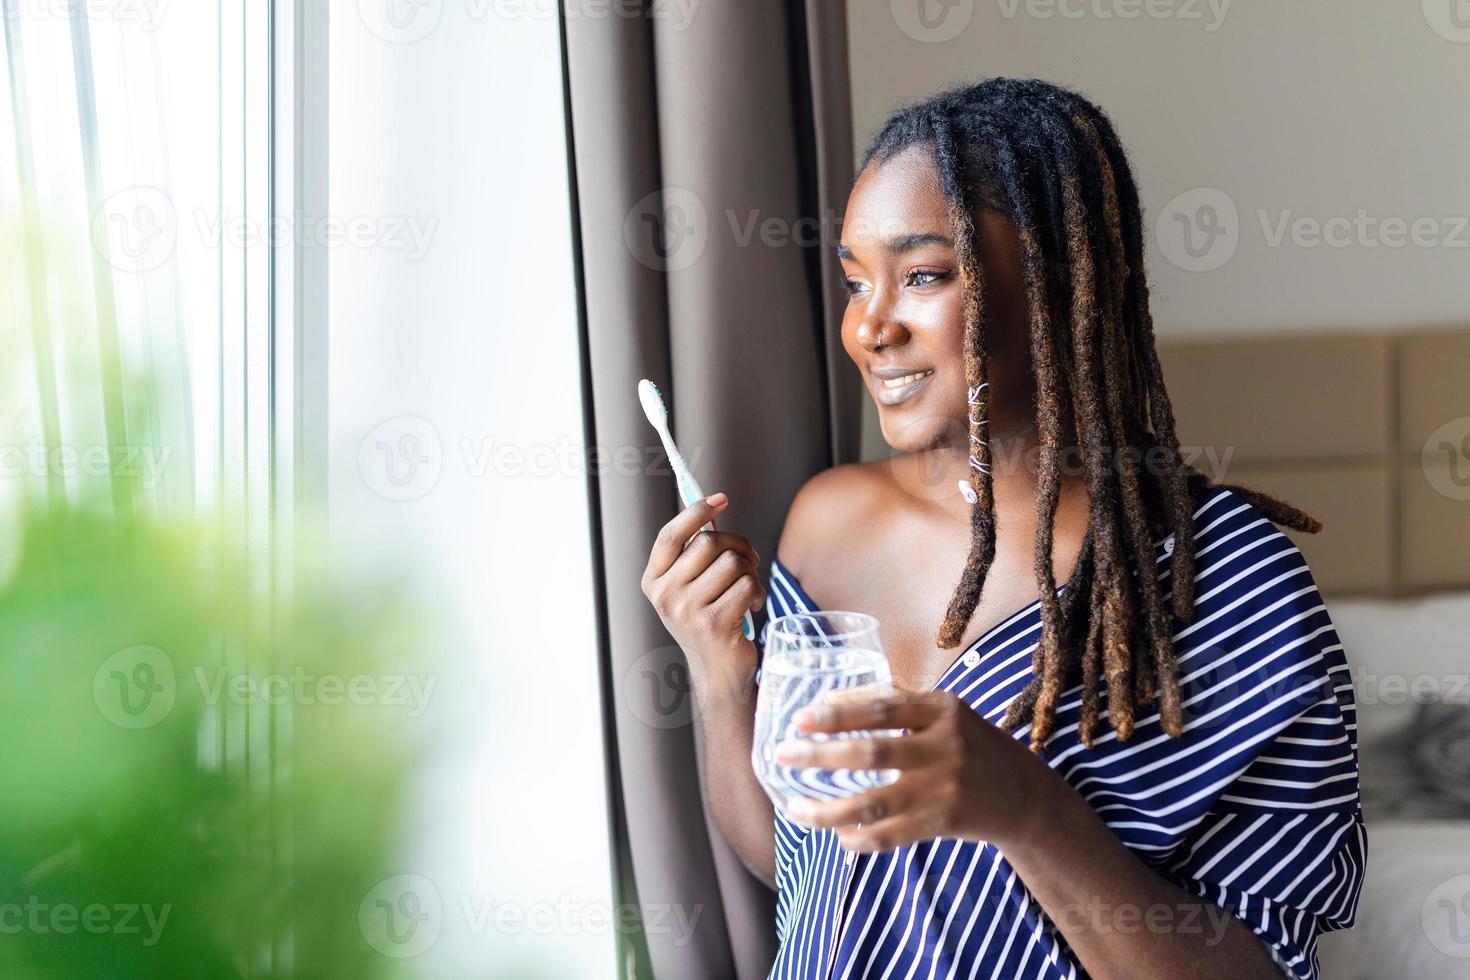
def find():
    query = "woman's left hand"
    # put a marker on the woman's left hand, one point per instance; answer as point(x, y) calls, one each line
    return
point(959, 775)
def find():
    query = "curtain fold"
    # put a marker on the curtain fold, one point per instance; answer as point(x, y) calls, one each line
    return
point(713, 156)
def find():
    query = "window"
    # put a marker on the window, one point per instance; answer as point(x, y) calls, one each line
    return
point(263, 252)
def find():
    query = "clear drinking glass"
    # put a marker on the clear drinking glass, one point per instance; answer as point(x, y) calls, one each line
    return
point(808, 656)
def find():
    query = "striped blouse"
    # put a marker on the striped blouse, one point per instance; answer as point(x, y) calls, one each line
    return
point(1256, 808)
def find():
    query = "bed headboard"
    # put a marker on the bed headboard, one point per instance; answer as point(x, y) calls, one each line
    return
point(1368, 432)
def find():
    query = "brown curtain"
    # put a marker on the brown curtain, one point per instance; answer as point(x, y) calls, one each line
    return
point(712, 157)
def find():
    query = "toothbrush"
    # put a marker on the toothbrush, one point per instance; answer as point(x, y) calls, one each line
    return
point(652, 401)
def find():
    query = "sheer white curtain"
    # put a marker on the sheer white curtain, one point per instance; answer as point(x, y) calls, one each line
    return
point(255, 331)
point(138, 352)
point(110, 127)
point(456, 443)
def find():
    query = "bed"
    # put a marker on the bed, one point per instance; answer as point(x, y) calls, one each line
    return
point(1370, 432)
point(1411, 677)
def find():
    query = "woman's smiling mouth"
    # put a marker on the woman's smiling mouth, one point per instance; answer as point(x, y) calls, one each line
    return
point(895, 388)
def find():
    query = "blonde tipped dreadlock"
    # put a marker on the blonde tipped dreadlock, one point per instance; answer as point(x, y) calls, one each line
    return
point(982, 512)
point(1051, 162)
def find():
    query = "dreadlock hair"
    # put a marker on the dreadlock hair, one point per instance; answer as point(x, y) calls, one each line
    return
point(1050, 161)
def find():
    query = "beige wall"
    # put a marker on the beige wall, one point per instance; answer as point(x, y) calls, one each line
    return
point(1300, 111)
point(1305, 108)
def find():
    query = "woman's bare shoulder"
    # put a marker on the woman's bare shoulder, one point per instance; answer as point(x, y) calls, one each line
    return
point(828, 509)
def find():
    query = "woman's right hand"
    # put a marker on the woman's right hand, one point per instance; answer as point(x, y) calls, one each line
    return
point(702, 590)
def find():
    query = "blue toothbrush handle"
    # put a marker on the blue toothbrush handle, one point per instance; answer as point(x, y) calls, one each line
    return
point(689, 492)
point(747, 625)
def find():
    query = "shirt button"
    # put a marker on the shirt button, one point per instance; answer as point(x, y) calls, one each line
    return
point(972, 659)
point(1169, 545)
point(847, 858)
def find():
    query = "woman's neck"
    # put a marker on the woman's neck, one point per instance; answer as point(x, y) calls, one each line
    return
point(933, 475)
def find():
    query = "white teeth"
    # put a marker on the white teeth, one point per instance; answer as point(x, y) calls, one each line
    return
point(907, 379)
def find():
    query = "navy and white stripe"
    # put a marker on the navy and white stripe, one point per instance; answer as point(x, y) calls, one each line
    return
point(1256, 808)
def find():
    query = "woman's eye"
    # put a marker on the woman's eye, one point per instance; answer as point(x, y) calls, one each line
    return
point(853, 286)
point(923, 277)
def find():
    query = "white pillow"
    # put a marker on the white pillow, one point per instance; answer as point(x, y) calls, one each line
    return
point(1402, 652)
point(1414, 915)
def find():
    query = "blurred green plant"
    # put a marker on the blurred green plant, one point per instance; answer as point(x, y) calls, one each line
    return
point(205, 749)
point(189, 788)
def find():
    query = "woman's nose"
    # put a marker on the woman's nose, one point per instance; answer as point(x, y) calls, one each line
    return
point(876, 333)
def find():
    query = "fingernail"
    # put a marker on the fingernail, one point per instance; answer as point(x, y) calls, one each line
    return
point(804, 717)
point(799, 809)
point(786, 752)
point(715, 499)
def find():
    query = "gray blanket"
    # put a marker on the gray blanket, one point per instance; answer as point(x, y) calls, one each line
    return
point(1423, 770)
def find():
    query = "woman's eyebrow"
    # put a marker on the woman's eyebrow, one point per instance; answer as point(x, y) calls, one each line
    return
point(902, 243)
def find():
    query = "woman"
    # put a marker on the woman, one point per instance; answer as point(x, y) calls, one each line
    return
point(1150, 771)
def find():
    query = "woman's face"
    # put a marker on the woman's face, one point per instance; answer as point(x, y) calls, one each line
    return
point(904, 315)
